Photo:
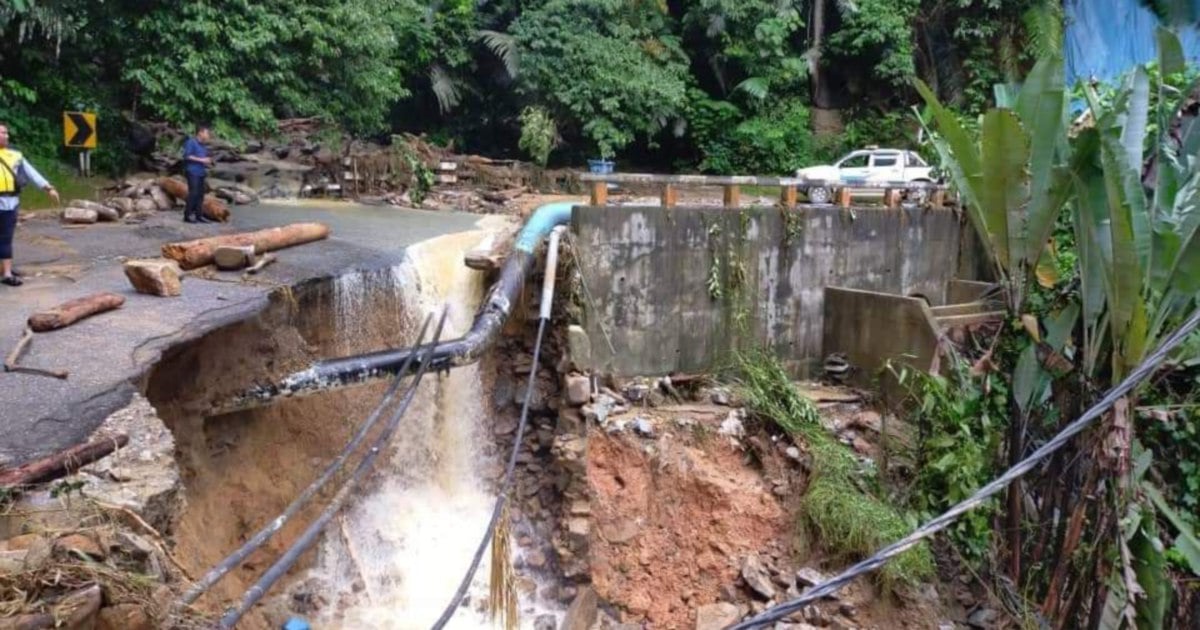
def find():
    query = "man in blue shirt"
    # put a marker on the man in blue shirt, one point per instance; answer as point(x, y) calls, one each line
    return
point(195, 166)
point(15, 172)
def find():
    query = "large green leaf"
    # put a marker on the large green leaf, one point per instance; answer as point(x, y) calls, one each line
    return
point(1186, 542)
point(1040, 105)
point(1004, 188)
point(1150, 565)
point(1126, 306)
point(1170, 52)
point(960, 156)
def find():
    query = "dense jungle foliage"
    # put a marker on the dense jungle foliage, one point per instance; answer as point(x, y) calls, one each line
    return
point(714, 85)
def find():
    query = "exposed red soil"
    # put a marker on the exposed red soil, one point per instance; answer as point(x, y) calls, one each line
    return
point(670, 530)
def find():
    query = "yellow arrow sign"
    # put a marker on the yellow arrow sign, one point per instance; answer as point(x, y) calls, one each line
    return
point(79, 130)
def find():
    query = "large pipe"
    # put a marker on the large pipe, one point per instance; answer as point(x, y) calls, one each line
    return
point(374, 366)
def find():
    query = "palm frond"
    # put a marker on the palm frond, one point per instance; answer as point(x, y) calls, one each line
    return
point(445, 88)
point(1044, 25)
point(756, 87)
point(503, 46)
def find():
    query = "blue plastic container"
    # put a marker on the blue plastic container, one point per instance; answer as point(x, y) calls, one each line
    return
point(600, 167)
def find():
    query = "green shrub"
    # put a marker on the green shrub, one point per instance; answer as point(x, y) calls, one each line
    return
point(775, 141)
point(848, 520)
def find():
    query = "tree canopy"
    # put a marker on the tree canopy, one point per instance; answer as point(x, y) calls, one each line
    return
point(719, 85)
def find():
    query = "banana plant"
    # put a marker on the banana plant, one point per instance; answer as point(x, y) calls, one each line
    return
point(1012, 178)
point(1139, 244)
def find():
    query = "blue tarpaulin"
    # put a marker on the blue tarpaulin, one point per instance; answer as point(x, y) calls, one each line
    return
point(1106, 38)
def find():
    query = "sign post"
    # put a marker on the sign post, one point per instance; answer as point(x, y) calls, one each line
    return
point(79, 132)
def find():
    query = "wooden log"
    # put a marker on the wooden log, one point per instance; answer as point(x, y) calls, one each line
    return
point(670, 195)
point(733, 196)
point(61, 464)
point(787, 196)
point(232, 258)
point(198, 253)
point(212, 207)
point(70, 312)
point(599, 193)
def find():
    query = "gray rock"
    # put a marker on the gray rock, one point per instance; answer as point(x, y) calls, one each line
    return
point(757, 577)
point(982, 618)
point(716, 616)
point(642, 427)
point(545, 622)
point(582, 613)
point(809, 576)
point(579, 390)
point(80, 216)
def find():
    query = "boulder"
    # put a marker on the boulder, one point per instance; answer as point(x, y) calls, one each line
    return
point(583, 611)
point(79, 216)
point(161, 200)
point(155, 277)
point(123, 205)
point(85, 204)
point(579, 390)
point(233, 257)
point(106, 213)
point(717, 616)
point(757, 577)
point(144, 206)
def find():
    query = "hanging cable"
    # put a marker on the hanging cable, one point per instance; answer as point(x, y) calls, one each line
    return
point(293, 553)
point(506, 484)
point(828, 587)
point(236, 558)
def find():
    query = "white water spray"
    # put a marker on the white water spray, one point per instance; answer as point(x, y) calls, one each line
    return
point(396, 557)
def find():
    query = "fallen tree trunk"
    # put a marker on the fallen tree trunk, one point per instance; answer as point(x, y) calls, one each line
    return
point(61, 464)
point(198, 253)
point(213, 207)
point(68, 313)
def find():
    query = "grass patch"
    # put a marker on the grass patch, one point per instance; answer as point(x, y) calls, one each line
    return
point(68, 182)
point(849, 520)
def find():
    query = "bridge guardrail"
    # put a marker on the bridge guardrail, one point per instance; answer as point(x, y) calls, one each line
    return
point(843, 192)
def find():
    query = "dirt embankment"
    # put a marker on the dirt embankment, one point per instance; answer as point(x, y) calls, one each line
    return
point(240, 470)
point(671, 528)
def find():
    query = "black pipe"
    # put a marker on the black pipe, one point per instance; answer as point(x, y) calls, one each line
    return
point(368, 368)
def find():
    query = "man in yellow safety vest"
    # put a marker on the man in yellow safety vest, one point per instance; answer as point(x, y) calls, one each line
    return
point(15, 172)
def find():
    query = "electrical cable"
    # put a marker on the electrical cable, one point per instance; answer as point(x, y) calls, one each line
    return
point(263, 535)
point(828, 587)
point(293, 553)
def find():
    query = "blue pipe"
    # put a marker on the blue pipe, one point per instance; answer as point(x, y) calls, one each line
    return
point(367, 368)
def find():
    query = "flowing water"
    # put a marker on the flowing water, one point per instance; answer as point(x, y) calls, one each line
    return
point(397, 556)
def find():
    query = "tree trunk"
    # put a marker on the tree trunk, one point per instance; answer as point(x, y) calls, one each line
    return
point(61, 464)
point(198, 253)
point(820, 89)
point(68, 313)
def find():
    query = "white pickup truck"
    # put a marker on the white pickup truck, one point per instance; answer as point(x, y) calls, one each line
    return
point(870, 165)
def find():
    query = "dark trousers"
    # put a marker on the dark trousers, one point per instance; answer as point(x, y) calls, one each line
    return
point(195, 198)
point(8, 225)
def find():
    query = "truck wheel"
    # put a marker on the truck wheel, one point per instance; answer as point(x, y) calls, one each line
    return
point(818, 195)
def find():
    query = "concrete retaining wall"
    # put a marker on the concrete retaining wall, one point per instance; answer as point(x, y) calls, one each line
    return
point(680, 289)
